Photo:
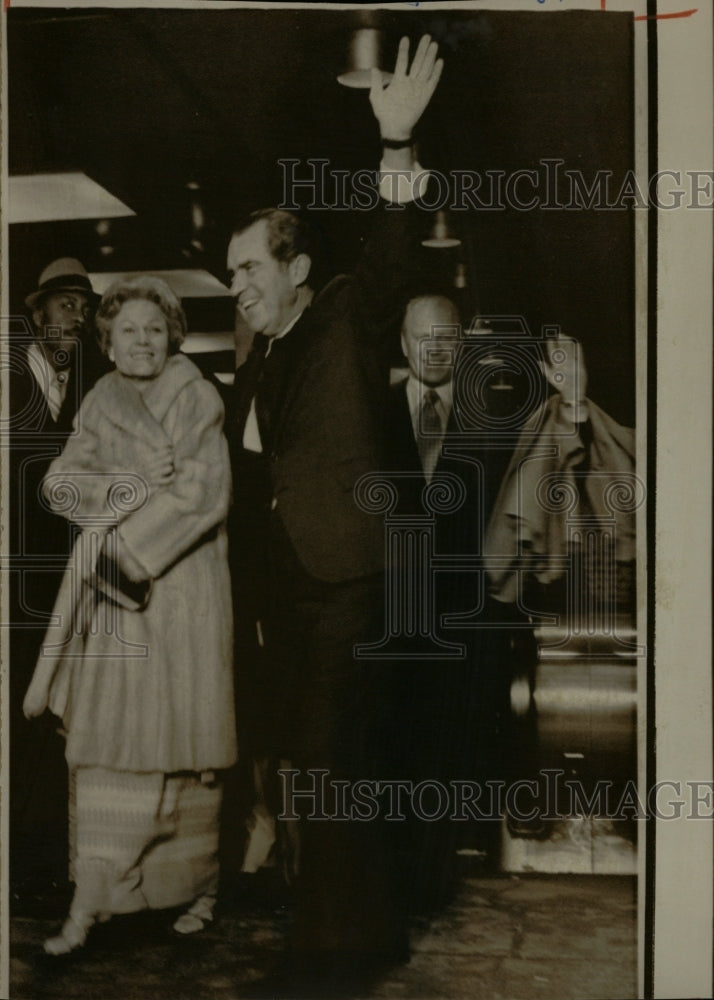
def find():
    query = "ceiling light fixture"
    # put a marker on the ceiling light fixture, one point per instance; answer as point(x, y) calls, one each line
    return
point(60, 198)
point(365, 54)
point(184, 282)
point(441, 234)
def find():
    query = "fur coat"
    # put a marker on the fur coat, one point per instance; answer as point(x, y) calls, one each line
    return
point(144, 685)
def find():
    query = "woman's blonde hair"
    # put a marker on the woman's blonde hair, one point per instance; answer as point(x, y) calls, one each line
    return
point(142, 287)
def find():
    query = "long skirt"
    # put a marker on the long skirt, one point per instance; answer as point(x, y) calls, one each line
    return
point(141, 841)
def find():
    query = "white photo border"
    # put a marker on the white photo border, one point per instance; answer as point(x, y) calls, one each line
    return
point(673, 129)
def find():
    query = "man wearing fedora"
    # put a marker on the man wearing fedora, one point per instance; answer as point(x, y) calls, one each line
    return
point(53, 361)
point(60, 309)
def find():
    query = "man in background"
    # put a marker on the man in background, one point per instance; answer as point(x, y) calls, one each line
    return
point(51, 368)
point(435, 692)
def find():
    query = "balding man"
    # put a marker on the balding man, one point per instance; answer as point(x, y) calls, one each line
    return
point(423, 416)
point(430, 321)
point(435, 697)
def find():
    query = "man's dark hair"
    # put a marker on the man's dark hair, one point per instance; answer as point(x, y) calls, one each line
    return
point(288, 234)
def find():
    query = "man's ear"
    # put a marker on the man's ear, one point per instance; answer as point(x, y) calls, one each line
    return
point(300, 269)
point(403, 341)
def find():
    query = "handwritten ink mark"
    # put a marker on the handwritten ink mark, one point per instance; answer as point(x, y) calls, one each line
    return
point(664, 17)
point(639, 17)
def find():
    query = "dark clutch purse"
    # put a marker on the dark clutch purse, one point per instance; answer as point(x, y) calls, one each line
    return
point(116, 587)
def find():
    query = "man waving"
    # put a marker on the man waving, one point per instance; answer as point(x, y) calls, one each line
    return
point(306, 424)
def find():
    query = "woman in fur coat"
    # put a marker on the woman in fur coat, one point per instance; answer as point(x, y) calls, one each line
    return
point(139, 666)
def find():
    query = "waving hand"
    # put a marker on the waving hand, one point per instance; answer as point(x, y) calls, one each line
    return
point(399, 105)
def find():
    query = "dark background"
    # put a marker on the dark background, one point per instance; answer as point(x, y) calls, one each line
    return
point(145, 101)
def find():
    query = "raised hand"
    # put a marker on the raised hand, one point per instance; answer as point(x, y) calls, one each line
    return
point(159, 470)
point(400, 105)
point(564, 368)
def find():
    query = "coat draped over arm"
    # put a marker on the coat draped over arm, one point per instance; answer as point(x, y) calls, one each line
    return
point(555, 474)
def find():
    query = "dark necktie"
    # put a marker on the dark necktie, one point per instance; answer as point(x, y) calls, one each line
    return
point(429, 433)
point(246, 383)
point(72, 399)
point(269, 390)
point(56, 392)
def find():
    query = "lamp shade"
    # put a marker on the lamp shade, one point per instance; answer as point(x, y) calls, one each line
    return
point(460, 276)
point(441, 235)
point(365, 54)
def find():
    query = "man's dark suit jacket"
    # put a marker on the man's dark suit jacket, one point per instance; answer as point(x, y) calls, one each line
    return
point(450, 714)
point(449, 709)
point(328, 407)
point(458, 532)
point(324, 391)
point(433, 732)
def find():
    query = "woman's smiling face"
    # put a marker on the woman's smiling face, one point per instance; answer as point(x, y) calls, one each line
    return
point(139, 340)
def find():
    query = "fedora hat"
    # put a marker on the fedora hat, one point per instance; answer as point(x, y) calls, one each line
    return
point(63, 275)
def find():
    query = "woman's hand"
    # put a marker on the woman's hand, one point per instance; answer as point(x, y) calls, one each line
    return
point(159, 470)
point(130, 567)
point(34, 703)
point(399, 106)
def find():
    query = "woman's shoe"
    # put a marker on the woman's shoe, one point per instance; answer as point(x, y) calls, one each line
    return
point(198, 917)
point(72, 936)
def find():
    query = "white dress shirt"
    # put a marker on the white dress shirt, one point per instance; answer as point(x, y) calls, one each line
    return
point(53, 384)
point(410, 184)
